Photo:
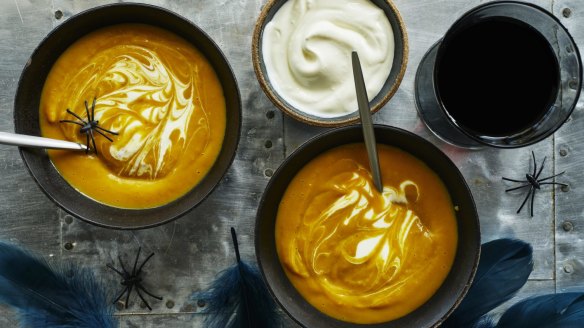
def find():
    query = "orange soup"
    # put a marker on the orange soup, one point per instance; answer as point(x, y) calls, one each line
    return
point(161, 96)
point(359, 255)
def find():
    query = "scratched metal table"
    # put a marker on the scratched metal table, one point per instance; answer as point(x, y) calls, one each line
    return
point(192, 250)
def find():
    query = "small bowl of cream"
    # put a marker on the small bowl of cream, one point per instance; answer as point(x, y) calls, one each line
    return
point(301, 53)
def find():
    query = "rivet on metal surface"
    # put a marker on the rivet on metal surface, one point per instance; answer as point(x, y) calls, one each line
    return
point(169, 304)
point(68, 219)
point(568, 268)
point(268, 172)
point(563, 152)
point(268, 144)
point(58, 14)
point(573, 84)
point(565, 188)
point(569, 49)
point(567, 12)
point(201, 303)
point(142, 305)
point(68, 246)
point(119, 305)
point(270, 114)
point(567, 226)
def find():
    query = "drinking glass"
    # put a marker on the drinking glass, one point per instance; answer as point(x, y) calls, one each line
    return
point(434, 113)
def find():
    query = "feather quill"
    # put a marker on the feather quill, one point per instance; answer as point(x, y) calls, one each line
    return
point(238, 298)
point(503, 269)
point(44, 296)
point(546, 311)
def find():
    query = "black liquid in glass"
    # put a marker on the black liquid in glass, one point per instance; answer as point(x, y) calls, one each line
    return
point(497, 77)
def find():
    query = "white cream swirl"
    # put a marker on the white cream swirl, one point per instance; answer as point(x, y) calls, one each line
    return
point(307, 53)
point(355, 241)
point(150, 96)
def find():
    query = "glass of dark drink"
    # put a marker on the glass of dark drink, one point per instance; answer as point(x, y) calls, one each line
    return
point(506, 74)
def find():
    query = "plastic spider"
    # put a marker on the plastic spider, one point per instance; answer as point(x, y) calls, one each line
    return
point(133, 279)
point(533, 182)
point(89, 126)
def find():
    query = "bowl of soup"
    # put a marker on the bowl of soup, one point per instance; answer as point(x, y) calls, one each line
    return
point(301, 53)
point(164, 98)
point(335, 252)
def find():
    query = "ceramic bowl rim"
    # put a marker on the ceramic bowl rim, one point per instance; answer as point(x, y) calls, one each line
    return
point(287, 109)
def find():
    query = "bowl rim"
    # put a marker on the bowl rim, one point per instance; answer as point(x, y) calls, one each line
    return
point(263, 80)
point(377, 127)
point(24, 152)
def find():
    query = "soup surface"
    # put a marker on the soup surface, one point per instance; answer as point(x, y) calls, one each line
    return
point(153, 88)
point(358, 255)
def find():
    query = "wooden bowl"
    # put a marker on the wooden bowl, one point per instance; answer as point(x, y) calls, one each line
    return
point(391, 85)
point(451, 292)
point(26, 114)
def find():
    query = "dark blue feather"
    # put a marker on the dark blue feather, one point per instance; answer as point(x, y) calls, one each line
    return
point(485, 321)
point(238, 298)
point(503, 269)
point(554, 310)
point(51, 297)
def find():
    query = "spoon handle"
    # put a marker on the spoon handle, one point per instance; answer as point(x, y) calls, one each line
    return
point(365, 113)
point(38, 142)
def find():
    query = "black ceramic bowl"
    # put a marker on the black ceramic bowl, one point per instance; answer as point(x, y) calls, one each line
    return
point(26, 114)
point(398, 69)
point(448, 296)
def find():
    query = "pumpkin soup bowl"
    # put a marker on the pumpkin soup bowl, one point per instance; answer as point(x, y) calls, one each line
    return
point(27, 102)
point(457, 282)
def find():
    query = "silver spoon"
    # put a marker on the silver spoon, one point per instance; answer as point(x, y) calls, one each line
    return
point(38, 142)
point(366, 123)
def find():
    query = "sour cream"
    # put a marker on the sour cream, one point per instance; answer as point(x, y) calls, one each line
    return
point(307, 53)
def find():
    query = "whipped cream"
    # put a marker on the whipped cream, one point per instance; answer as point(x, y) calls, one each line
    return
point(307, 53)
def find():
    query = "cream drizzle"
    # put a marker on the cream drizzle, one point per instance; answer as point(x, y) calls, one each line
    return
point(150, 95)
point(356, 246)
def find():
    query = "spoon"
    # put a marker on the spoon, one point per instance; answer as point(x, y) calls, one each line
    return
point(38, 142)
point(366, 123)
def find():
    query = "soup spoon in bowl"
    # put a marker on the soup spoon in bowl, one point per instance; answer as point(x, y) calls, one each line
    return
point(23, 140)
point(366, 123)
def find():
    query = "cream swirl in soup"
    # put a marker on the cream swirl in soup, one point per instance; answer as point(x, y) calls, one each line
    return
point(162, 97)
point(362, 256)
point(148, 101)
point(307, 48)
point(358, 231)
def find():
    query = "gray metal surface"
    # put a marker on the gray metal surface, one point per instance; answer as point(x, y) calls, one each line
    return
point(192, 250)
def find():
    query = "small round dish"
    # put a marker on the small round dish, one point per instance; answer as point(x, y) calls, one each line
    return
point(26, 115)
point(458, 281)
point(387, 91)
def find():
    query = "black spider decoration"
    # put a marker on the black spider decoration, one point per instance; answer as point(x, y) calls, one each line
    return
point(533, 182)
point(89, 126)
point(133, 279)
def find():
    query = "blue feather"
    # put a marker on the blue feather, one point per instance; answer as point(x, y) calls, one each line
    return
point(238, 298)
point(485, 321)
point(44, 296)
point(553, 310)
point(503, 269)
